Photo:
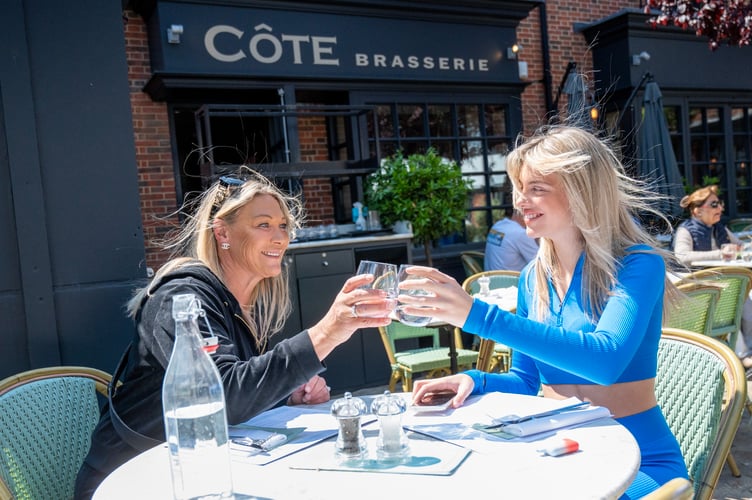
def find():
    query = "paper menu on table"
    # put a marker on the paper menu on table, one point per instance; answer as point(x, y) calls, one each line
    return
point(303, 425)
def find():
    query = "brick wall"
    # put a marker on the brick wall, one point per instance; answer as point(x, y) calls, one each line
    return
point(156, 172)
point(564, 45)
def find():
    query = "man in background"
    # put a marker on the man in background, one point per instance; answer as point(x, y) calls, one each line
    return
point(508, 247)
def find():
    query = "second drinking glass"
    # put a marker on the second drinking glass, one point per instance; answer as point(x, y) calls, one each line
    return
point(410, 319)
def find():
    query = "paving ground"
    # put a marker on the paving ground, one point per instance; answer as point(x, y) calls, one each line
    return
point(738, 488)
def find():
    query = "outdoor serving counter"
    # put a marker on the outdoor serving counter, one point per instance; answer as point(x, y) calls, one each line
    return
point(317, 269)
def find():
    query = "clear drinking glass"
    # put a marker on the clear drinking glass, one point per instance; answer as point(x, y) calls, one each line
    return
point(410, 319)
point(728, 252)
point(385, 278)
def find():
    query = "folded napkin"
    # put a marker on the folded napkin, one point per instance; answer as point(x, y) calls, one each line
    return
point(554, 422)
point(506, 298)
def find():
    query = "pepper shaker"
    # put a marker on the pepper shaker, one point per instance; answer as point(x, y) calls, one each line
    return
point(350, 441)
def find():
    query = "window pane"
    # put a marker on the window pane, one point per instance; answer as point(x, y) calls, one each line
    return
point(440, 120)
point(496, 119)
point(714, 122)
point(476, 226)
point(411, 120)
point(741, 145)
point(716, 149)
point(672, 118)
point(471, 157)
point(385, 120)
point(740, 120)
point(444, 148)
point(468, 121)
point(695, 120)
point(497, 155)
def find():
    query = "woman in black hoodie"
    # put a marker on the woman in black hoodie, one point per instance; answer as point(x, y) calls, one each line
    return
point(229, 255)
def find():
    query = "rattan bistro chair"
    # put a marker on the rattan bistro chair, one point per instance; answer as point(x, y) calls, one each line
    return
point(701, 389)
point(47, 416)
point(492, 356)
point(697, 309)
point(472, 261)
point(735, 284)
point(737, 225)
point(433, 360)
point(676, 489)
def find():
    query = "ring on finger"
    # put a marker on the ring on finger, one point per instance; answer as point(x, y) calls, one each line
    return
point(354, 311)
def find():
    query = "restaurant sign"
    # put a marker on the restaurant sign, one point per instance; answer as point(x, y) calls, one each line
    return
point(236, 41)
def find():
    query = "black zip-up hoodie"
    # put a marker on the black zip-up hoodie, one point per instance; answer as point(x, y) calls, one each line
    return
point(253, 382)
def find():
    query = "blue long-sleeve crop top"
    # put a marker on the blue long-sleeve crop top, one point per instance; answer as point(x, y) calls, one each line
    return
point(569, 348)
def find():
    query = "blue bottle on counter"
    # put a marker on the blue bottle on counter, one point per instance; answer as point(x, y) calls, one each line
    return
point(193, 401)
point(359, 216)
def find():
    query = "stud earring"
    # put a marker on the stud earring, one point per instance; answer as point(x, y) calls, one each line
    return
point(225, 246)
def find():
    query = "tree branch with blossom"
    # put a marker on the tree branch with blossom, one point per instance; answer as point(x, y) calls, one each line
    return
point(722, 21)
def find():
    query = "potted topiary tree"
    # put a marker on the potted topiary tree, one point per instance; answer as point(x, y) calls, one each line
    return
point(425, 189)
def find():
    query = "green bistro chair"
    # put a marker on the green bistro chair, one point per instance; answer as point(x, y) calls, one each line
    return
point(736, 225)
point(735, 284)
point(676, 489)
point(433, 360)
point(47, 416)
point(697, 310)
point(492, 356)
point(701, 389)
point(472, 261)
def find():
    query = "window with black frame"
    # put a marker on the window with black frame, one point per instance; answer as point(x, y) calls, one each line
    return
point(475, 135)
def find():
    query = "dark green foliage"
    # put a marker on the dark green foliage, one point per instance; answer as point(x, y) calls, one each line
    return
point(425, 189)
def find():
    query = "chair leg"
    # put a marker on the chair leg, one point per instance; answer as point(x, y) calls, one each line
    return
point(396, 376)
point(732, 465)
point(407, 382)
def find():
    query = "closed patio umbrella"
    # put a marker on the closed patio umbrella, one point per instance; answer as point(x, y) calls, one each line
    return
point(577, 111)
point(656, 160)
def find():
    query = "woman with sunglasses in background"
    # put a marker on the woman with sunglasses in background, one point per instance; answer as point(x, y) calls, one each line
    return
point(229, 255)
point(700, 237)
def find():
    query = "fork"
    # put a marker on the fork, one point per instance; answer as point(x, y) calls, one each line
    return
point(514, 419)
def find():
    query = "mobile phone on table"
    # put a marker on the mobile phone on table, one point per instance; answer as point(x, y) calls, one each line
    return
point(434, 401)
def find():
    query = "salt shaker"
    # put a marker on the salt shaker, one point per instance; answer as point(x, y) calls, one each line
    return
point(392, 442)
point(350, 441)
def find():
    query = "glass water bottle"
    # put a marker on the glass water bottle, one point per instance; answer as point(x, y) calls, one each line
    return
point(194, 412)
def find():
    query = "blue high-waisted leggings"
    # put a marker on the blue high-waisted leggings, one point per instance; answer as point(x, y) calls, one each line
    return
point(661, 458)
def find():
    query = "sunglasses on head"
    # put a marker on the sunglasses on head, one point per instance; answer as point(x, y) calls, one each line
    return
point(715, 204)
point(227, 185)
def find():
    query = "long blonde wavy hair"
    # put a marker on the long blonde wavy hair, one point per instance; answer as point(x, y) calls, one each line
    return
point(194, 241)
point(604, 203)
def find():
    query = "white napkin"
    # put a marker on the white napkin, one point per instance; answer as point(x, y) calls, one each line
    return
point(554, 422)
point(506, 298)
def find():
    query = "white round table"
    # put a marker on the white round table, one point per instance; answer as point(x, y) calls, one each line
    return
point(604, 467)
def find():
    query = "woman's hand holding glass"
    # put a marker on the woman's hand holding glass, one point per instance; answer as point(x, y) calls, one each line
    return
point(402, 316)
point(446, 300)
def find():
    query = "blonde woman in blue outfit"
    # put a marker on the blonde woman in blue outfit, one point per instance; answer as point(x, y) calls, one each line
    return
point(590, 305)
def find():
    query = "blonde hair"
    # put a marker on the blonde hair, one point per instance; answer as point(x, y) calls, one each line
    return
point(194, 243)
point(604, 204)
